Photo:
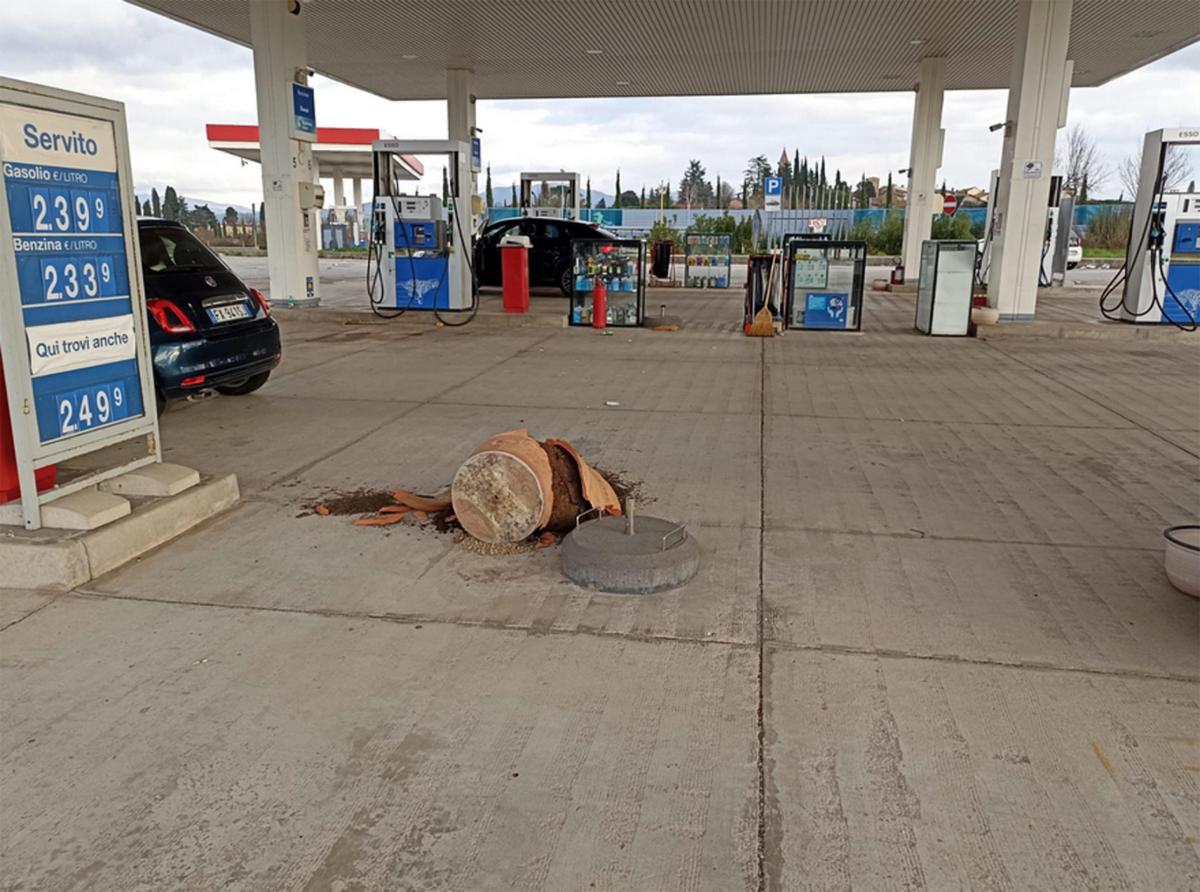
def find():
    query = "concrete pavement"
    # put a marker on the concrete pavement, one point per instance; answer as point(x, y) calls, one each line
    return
point(930, 645)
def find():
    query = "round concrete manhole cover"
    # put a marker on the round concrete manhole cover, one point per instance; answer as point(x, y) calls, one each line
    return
point(634, 554)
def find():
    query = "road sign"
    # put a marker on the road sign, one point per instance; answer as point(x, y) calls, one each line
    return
point(950, 204)
point(772, 193)
point(818, 224)
point(72, 311)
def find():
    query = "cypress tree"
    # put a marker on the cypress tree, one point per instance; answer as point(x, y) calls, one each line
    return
point(617, 200)
point(889, 190)
point(491, 200)
point(514, 196)
point(587, 198)
point(155, 203)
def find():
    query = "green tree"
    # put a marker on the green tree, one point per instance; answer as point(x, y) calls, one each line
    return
point(717, 192)
point(643, 199)
point(155, 203)
point(888, 202)
point(796, 182)
point(146, 208)
point(488, 196)
point(514, 196)
point(784, 172)
point(757, 170)
point(587, 198)
point(695, 190)
point(627, 199)
point(617, 193)
point(445, 187)
point(170, 204)
point(231, 215)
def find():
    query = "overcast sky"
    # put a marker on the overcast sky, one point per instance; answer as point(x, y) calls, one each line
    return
point(175, 79)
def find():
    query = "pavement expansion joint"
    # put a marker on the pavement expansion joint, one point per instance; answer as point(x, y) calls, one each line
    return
point(410, 619)
point(51, 598)
point(762, 613)
point(850, 650)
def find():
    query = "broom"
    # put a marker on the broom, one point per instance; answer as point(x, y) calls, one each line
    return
point(763, 323)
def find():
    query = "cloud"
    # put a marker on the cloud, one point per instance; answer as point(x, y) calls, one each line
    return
point(175, 79)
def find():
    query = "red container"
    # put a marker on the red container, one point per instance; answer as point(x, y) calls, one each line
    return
point(600, 304)
point(10, 484)
point(898, 274)
point(514, 274)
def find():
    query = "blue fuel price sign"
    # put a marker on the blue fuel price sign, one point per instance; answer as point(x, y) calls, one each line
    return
point(69, 237)
point(73, 344)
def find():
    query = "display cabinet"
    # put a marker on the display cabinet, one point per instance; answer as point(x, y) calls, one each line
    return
point(618, 267)
point(708, 260)
point(945, 287)
point(825, 284)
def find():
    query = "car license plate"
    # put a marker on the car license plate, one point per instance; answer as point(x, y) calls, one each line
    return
point(229, 313)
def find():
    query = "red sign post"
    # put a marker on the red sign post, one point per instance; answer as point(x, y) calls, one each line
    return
point(950, 204)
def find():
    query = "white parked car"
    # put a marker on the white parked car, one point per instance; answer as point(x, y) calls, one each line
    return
point(1074, 250)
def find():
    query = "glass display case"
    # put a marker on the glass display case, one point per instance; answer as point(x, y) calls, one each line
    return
point(825, 284)
point(708, 260)
point(618, 267)
point(945, 287)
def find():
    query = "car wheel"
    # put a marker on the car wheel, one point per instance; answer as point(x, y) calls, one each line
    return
point(1072, 265)
point(241, 388)
point(160, 402)
point(566, 281)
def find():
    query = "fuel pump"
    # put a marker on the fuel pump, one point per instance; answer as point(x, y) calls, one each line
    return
point(419, 252)
point(1161, 273)
point(568, 182)
point(1055, 235)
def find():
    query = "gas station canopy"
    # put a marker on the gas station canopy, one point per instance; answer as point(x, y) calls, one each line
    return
point(524, 49)
point(341, 151)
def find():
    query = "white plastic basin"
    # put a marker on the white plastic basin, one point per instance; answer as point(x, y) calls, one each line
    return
point(1182, 558)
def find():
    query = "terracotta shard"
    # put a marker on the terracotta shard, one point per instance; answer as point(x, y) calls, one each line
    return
point(420, 503)
point(596, 490)
point(379, 520)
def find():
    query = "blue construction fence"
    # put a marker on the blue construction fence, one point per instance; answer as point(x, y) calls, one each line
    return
point(642, 219)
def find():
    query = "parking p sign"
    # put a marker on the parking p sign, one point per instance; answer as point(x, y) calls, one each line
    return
point(72, 312)
point(772, 193)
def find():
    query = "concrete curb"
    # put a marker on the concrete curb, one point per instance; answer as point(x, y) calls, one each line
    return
point(42, 561)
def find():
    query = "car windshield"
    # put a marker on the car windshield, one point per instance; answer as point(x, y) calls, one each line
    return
point(169, 249)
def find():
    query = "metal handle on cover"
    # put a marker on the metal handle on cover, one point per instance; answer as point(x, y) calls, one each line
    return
point(579, 517)
point(680, 531)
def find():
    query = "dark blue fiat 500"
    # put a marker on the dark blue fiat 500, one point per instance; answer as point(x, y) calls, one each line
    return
point(208, 331)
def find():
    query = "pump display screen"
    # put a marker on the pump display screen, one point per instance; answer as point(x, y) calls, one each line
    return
point(63, 191)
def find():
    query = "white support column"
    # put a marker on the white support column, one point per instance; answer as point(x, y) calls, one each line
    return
point(925, 157)
point(339, 196)
point(460, 112)
point(359, 231)
point(1037, 108)
point(293, 235)
point(460, 124)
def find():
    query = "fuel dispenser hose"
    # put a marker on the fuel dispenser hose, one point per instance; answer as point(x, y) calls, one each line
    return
point(375, 281)
point(1156, 261)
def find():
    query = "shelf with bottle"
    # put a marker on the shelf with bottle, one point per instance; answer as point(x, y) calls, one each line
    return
point(708, 260)
point(617, 267)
